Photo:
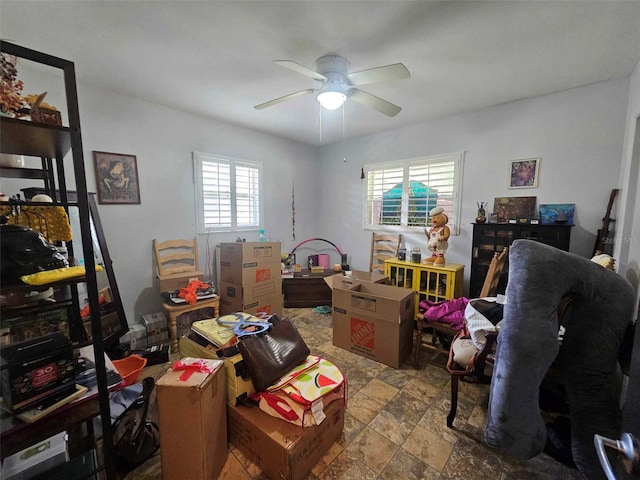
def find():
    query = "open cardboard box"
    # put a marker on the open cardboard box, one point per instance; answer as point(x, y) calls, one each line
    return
point(372, 319)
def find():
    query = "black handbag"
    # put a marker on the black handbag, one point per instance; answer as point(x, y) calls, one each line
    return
point(135, 438)
point(267, 356)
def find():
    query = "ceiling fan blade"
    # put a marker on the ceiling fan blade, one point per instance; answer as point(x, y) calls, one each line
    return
point(372, 101)
point(275, 101)
point(301, 69)
point(397, 71)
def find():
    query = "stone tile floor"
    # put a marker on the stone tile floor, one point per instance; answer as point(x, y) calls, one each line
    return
point(395, 425)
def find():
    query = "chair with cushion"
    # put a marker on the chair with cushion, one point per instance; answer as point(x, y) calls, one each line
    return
point(595, 325)
point(383, 246)
point(471, 346)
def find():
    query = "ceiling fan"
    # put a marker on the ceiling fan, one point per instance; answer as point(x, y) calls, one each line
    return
point(332, 71)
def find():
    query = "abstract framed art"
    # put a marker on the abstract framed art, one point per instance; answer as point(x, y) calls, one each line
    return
point(523, 173)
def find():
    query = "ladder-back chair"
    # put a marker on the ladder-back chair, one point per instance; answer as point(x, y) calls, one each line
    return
point(176, 257)
point(465, 358)
point(383, 246)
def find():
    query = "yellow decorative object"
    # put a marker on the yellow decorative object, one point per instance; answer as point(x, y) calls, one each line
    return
point(606, 261)
point(55, 275)
point(52, 222)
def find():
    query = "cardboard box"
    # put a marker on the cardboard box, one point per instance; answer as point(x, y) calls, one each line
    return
point(193, 424)
point(237, 379)
point(269, 304)
point(136, 337)
point(239, 252)
point(356, 277)
point(237, 296)
point(283, 450)
point(176, 281)
point(374, 320)
point(156, 326)
point(246, 273)
point(369, 277)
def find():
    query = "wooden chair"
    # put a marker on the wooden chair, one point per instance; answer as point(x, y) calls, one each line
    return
point(383, 246)
point(464, 357)
point(175, 257)
point(442, 334)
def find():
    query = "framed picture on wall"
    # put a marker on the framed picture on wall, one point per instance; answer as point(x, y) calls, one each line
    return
point(116, 178)
point(523, 173)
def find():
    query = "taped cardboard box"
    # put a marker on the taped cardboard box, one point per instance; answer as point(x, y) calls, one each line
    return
point(374, 320)
point(176, 281)
point(193, 424)
point(237, 296)
point(283, 450)
point(246, 273)
point(238, 252)
point(269, 304)
point(238, 383)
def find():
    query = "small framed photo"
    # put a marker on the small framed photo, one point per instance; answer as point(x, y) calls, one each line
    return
point(116, 178)
point(523, 173)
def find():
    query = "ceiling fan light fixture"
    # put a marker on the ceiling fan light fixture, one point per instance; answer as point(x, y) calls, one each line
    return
point(331, 100)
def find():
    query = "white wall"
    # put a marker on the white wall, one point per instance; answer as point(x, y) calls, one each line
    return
point(163, 140)
point(577, 133)
point(627, 247)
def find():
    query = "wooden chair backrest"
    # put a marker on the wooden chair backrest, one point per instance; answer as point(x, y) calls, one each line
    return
point(383, 246)
point(176, 256)
point(490, 285)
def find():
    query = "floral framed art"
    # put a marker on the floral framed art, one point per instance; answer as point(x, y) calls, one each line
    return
point(116, 178)
point(523, 173)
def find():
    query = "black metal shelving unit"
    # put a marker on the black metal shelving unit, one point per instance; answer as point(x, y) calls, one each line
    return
point(52, 143)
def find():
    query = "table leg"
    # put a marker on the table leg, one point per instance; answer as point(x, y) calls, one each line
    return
point(173, 331)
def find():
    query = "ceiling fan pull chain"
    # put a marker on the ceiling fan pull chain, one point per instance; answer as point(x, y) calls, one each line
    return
point(344, 142)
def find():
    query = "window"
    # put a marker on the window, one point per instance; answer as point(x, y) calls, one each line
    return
point(228, 193)
point(400, 195)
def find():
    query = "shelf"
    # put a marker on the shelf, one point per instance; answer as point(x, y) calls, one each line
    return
point(19, 172)
point(51, 143)
point(20, 137)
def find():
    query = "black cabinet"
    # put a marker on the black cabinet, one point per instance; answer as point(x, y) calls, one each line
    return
point(489, 238)
point(52, 143)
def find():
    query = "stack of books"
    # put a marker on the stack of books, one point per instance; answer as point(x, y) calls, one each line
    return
point(210, 332)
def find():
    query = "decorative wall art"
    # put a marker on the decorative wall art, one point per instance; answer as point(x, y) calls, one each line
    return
point(557, 213)
point(116, 178)
point(507, 208)
point(523, 173)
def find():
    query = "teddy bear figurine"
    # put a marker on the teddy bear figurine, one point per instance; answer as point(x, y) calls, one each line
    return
point(437, 237)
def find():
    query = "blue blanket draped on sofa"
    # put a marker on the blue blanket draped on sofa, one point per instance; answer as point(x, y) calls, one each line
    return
point(540, 277)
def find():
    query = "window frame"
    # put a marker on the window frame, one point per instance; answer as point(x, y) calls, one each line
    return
point(198, 159)
point(454, 221)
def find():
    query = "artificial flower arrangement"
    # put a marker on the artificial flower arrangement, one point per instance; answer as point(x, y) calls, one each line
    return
point(14, 104)
point(10, 87)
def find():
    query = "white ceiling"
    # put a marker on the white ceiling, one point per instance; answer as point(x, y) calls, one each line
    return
point(214, 58)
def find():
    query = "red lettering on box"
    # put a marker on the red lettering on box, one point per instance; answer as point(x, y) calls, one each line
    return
point(265, 309)
point(263, 274)
point(363, 333)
